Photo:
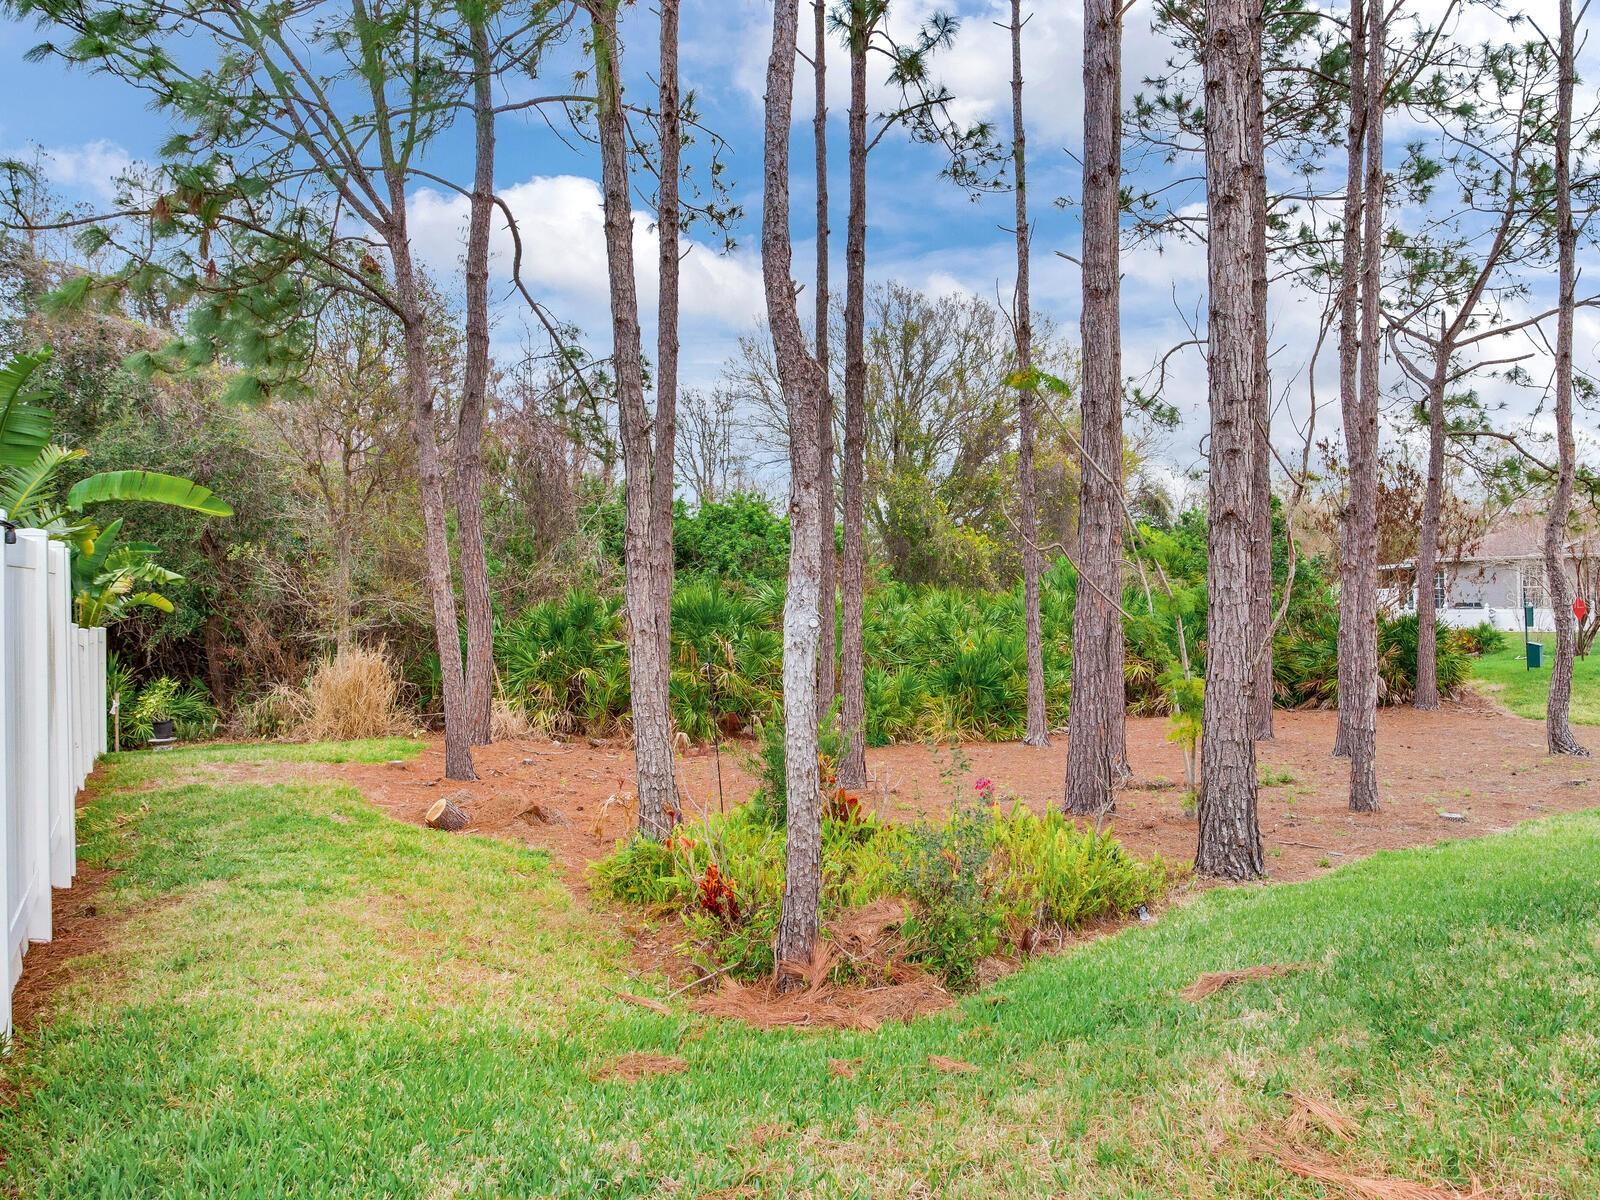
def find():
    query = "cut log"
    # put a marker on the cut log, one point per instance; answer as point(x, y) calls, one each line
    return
point(446, 814)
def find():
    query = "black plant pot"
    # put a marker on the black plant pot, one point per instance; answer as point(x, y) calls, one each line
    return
point(161, 731)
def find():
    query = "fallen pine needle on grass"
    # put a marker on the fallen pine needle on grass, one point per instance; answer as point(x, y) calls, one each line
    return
point(1356, 1186)
point(954, 1066)
point(1310, 1109)
point(641, 1064)
point(1214, 981)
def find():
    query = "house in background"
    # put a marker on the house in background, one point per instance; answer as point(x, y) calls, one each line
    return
point(1493, 579)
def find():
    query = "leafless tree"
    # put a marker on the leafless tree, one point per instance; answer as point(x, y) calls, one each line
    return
point(709, 458)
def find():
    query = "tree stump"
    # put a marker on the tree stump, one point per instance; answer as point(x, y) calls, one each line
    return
point(447, 815)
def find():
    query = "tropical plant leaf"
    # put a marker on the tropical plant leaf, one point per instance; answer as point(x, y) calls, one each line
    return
point(151, 486)
point(25, 489)
point(25, 425)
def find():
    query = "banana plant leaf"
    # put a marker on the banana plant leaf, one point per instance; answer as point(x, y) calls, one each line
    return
point(25, 425)
point(147, 485)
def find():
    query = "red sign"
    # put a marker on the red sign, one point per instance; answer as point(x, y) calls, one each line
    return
point(1580, 608)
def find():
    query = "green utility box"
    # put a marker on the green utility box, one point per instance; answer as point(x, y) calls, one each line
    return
point(1535, 655)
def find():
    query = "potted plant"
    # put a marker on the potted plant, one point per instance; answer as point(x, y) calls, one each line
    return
point(156, 705)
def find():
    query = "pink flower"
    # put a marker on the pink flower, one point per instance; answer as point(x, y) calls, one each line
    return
point(985, 788)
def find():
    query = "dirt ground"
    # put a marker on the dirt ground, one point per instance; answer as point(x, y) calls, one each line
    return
point(1487, 769)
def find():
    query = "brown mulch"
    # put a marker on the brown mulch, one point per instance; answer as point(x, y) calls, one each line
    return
point(640, 1064)
point(79, 927)
point(814, 1000)
point(1466, 758)
point(1213, 982)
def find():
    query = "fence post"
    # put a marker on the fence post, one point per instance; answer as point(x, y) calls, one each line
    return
point(63, 789)
point(31, 618)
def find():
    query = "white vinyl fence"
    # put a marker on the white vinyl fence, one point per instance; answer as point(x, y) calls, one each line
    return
point(52, 728)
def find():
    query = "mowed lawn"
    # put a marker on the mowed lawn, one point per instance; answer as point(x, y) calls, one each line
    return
point(1504, 675)
point(304, 998)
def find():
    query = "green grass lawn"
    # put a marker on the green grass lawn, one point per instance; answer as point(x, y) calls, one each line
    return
point(1505, 676)
point(305, 998)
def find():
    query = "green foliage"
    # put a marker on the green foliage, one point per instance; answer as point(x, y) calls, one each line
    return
point(956, 920)
point(1057, 875)
point(1480, 639)
point(565, 664)
point(741, 538)
point(974, 884)
point(1306, 662)
point(164, 698)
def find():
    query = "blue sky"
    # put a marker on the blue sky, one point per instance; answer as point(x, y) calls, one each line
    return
point(923, 230)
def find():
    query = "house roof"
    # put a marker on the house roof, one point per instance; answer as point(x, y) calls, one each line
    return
point(1512, 536)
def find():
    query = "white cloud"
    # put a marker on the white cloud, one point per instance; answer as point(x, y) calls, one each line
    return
point(559, 219)
point(89, 170)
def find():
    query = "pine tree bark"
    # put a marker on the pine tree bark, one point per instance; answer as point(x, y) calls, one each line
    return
point(1261, 475)
point(1229, 845)
point(803, 386)
point(469, 421)
point(1427, 691)
point(668, 227)
point(1096, 734)
point(827, 675)
point(646, 589)
point(431, 491)
point(1350, 289)
point(1558, 725)
point(1038, 727)
point(853, 765)
point(1358, 588)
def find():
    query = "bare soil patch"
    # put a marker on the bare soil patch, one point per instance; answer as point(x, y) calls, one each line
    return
point(1488, 769)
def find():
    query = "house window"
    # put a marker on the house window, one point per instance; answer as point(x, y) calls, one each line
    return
point(1438, 588)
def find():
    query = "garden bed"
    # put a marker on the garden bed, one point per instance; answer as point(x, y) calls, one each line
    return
point(1463, 771)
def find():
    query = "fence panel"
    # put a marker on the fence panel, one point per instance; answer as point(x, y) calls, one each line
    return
point(52, 728)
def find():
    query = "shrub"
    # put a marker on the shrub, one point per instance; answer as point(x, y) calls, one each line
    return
point(1306, 662)
point(973, 883)
point(956, 919)
point(1056, 875)
point(187, 705)
point(354, 694)
point(1480, 639)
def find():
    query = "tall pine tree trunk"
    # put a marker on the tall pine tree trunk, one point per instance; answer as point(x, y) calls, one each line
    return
point(1427, 693)
point(431, 490)
point(1558, 726)
point(1096, 736)
point(668, 220)
point(827, 681)
point(853, 766)
point(646, 589)
point(1358, 584)
point(1261, 476)
point(803, 386)
point(469, 422)
point(1038, 729)
point(1229, 845)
